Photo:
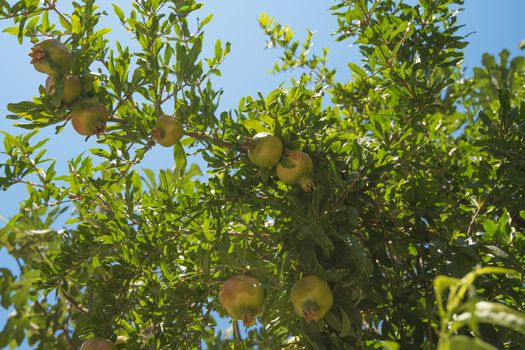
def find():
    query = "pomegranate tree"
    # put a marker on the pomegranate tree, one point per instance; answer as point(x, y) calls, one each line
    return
point(296, 168)
point(311, 298)
point(264, 149)
point(168, 131)
point(242, 298)
point(90, 120)
point(50, 56)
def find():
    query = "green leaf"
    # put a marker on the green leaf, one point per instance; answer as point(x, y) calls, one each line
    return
point(490, 228)
point(495, 314)
point(346, 324)
point(119, 12)
point(390, 345)
point(76, 26)
point(441, 284)
point(316, 233)
point(356, 69)
point(65, 23)
point(256, 125)
point(11, 30)
point(180, 158)
point(206, 20)
point(45, 20)
point(22, 107)
point(218, 49)
point(287, 163)
point(100, 33)
point(461, 342)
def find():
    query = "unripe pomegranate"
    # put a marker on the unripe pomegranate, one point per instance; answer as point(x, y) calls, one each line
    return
point(311, 298)
point(264, 149)
point(242, 297)
point(50, 56)
point(168, 131)
point(97, 343)
point(90, 120)
point(72, 88)
point(296, 167)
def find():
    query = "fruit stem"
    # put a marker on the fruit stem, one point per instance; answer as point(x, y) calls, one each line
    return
point(247, 143)
point(117, 120)
point(236, 332)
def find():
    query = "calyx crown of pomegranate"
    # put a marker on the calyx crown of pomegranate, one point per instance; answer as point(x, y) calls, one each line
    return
point(50, 56)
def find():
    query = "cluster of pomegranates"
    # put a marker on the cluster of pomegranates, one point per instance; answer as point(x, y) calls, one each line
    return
point(292, 167)
point(242, 296)
point(265, 150)
point(52, 57)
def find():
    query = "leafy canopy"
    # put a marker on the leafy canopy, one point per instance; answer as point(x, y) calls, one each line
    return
point(419, 178)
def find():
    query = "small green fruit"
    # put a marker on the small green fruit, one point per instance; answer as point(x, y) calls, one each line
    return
point(265, 150)
point(296, 167)
point(50, 56)
point(242, 297)
point(168, 131)
point(97, 343)
point(90, 120)
point(311, 298)
point(72, 87)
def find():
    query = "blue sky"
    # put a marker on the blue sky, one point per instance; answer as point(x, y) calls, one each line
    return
point(495, 25)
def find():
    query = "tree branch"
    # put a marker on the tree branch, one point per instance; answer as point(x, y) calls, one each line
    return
point(200, 135)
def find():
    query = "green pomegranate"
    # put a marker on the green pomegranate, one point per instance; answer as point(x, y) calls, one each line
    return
point(296, 167)
point(97, 343)
point(72, 88)
point(242, 298)
point(311, 298)
point(264, 149)
point(50, 56)
point(168, 131)
point(90, 120)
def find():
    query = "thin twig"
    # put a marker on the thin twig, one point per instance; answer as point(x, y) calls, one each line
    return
point(474, 217)
point(52, 6)
point(20, 181)
point(207, 137)
point(117, 120)
point(73, 302)
point(27, 13)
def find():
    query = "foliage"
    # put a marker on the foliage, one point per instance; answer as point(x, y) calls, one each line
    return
point(419, 172)
point(471, 312)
